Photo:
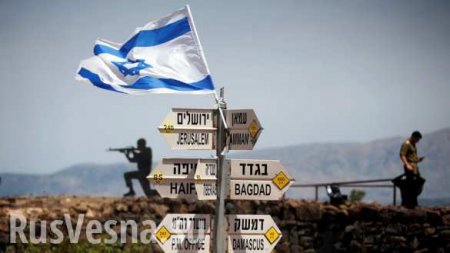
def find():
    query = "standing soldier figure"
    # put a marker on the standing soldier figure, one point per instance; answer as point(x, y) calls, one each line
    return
point(413, 183)
point(143, 157)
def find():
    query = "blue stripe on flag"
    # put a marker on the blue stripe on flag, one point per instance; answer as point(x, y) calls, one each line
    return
point(103, 49)
point(149, 83)
point(147, 38)
point(95, 80)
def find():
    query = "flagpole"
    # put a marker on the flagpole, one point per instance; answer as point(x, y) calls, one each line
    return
point(196, 38)
point(220, 225)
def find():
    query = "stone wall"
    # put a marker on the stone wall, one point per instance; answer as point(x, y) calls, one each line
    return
point(307, 226)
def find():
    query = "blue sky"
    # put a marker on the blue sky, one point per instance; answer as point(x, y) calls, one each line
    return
point(314, 71)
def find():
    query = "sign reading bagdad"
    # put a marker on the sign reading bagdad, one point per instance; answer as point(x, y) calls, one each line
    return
point(258, 179)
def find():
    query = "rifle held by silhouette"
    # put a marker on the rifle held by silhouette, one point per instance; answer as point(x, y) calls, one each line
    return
point(122, 150)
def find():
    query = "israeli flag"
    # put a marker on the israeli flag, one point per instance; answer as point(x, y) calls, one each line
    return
point(164, 56)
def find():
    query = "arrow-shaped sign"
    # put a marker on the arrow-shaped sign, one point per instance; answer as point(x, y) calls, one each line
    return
point(184, 233)
point(252, 233)
point(194, 129)
point(244, 129)
point(258, 179)
point(185, 178)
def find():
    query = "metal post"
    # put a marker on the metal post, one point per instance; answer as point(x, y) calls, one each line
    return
point(395, 195)
point(220, 226)
point(317, 192)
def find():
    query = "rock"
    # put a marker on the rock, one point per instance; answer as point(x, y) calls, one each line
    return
point(355, 246)
point(91, 213)
point(245, 207)
point(371, 212)
point(293, 237)
point(81, 208)
point(121, 207)
point(205, 207)
point(434, 217)
point(445, 234)
point(306, 241)
point(4, 226)
point(296, 249)
point(4, 203)
point(446, 219)
point(107, 212)
point(308, 212)
point(156, 248)
point(135, 209)
point(143, 205)
point(369, 240)
point(160, 210)
point(283, 247)
point(349, 229)
point(34, 212)
point(287, 214)
point(430, 231)
point(397, 239)
point(293, 203)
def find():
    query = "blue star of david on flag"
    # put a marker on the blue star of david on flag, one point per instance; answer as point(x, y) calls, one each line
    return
point(131, 67)
point(163, 56)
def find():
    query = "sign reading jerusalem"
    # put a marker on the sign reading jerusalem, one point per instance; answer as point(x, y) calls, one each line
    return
point(258, 179)
point(190, 129)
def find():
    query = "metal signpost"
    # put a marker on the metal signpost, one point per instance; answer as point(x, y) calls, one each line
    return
point(217, 179)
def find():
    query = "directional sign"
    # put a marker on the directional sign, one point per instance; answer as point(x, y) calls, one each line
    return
point(206, 179)
point(185, 178)
point(244, 129)
point(252, 233)
point(191, 129)
point(258, 179)
point(187, 118)
point(184, 233)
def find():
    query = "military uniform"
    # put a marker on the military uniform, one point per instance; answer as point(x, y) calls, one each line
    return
point(413, 184)
point(409, 151)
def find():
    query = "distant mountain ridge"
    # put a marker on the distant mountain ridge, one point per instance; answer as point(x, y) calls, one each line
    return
point(80, 179)
point(307, 163)
point(379, 159)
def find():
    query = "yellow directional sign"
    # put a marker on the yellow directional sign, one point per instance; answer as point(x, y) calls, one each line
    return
point(258, 179)
point(184, 233)
point(253, 129)
point(245, 129)
point(246, 229)
point(188, 178)
point(281, 180)
point(272, 235)
point(163, 234)
point(190, 129)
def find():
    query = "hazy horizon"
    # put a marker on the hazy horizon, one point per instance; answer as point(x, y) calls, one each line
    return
point(313, 71)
